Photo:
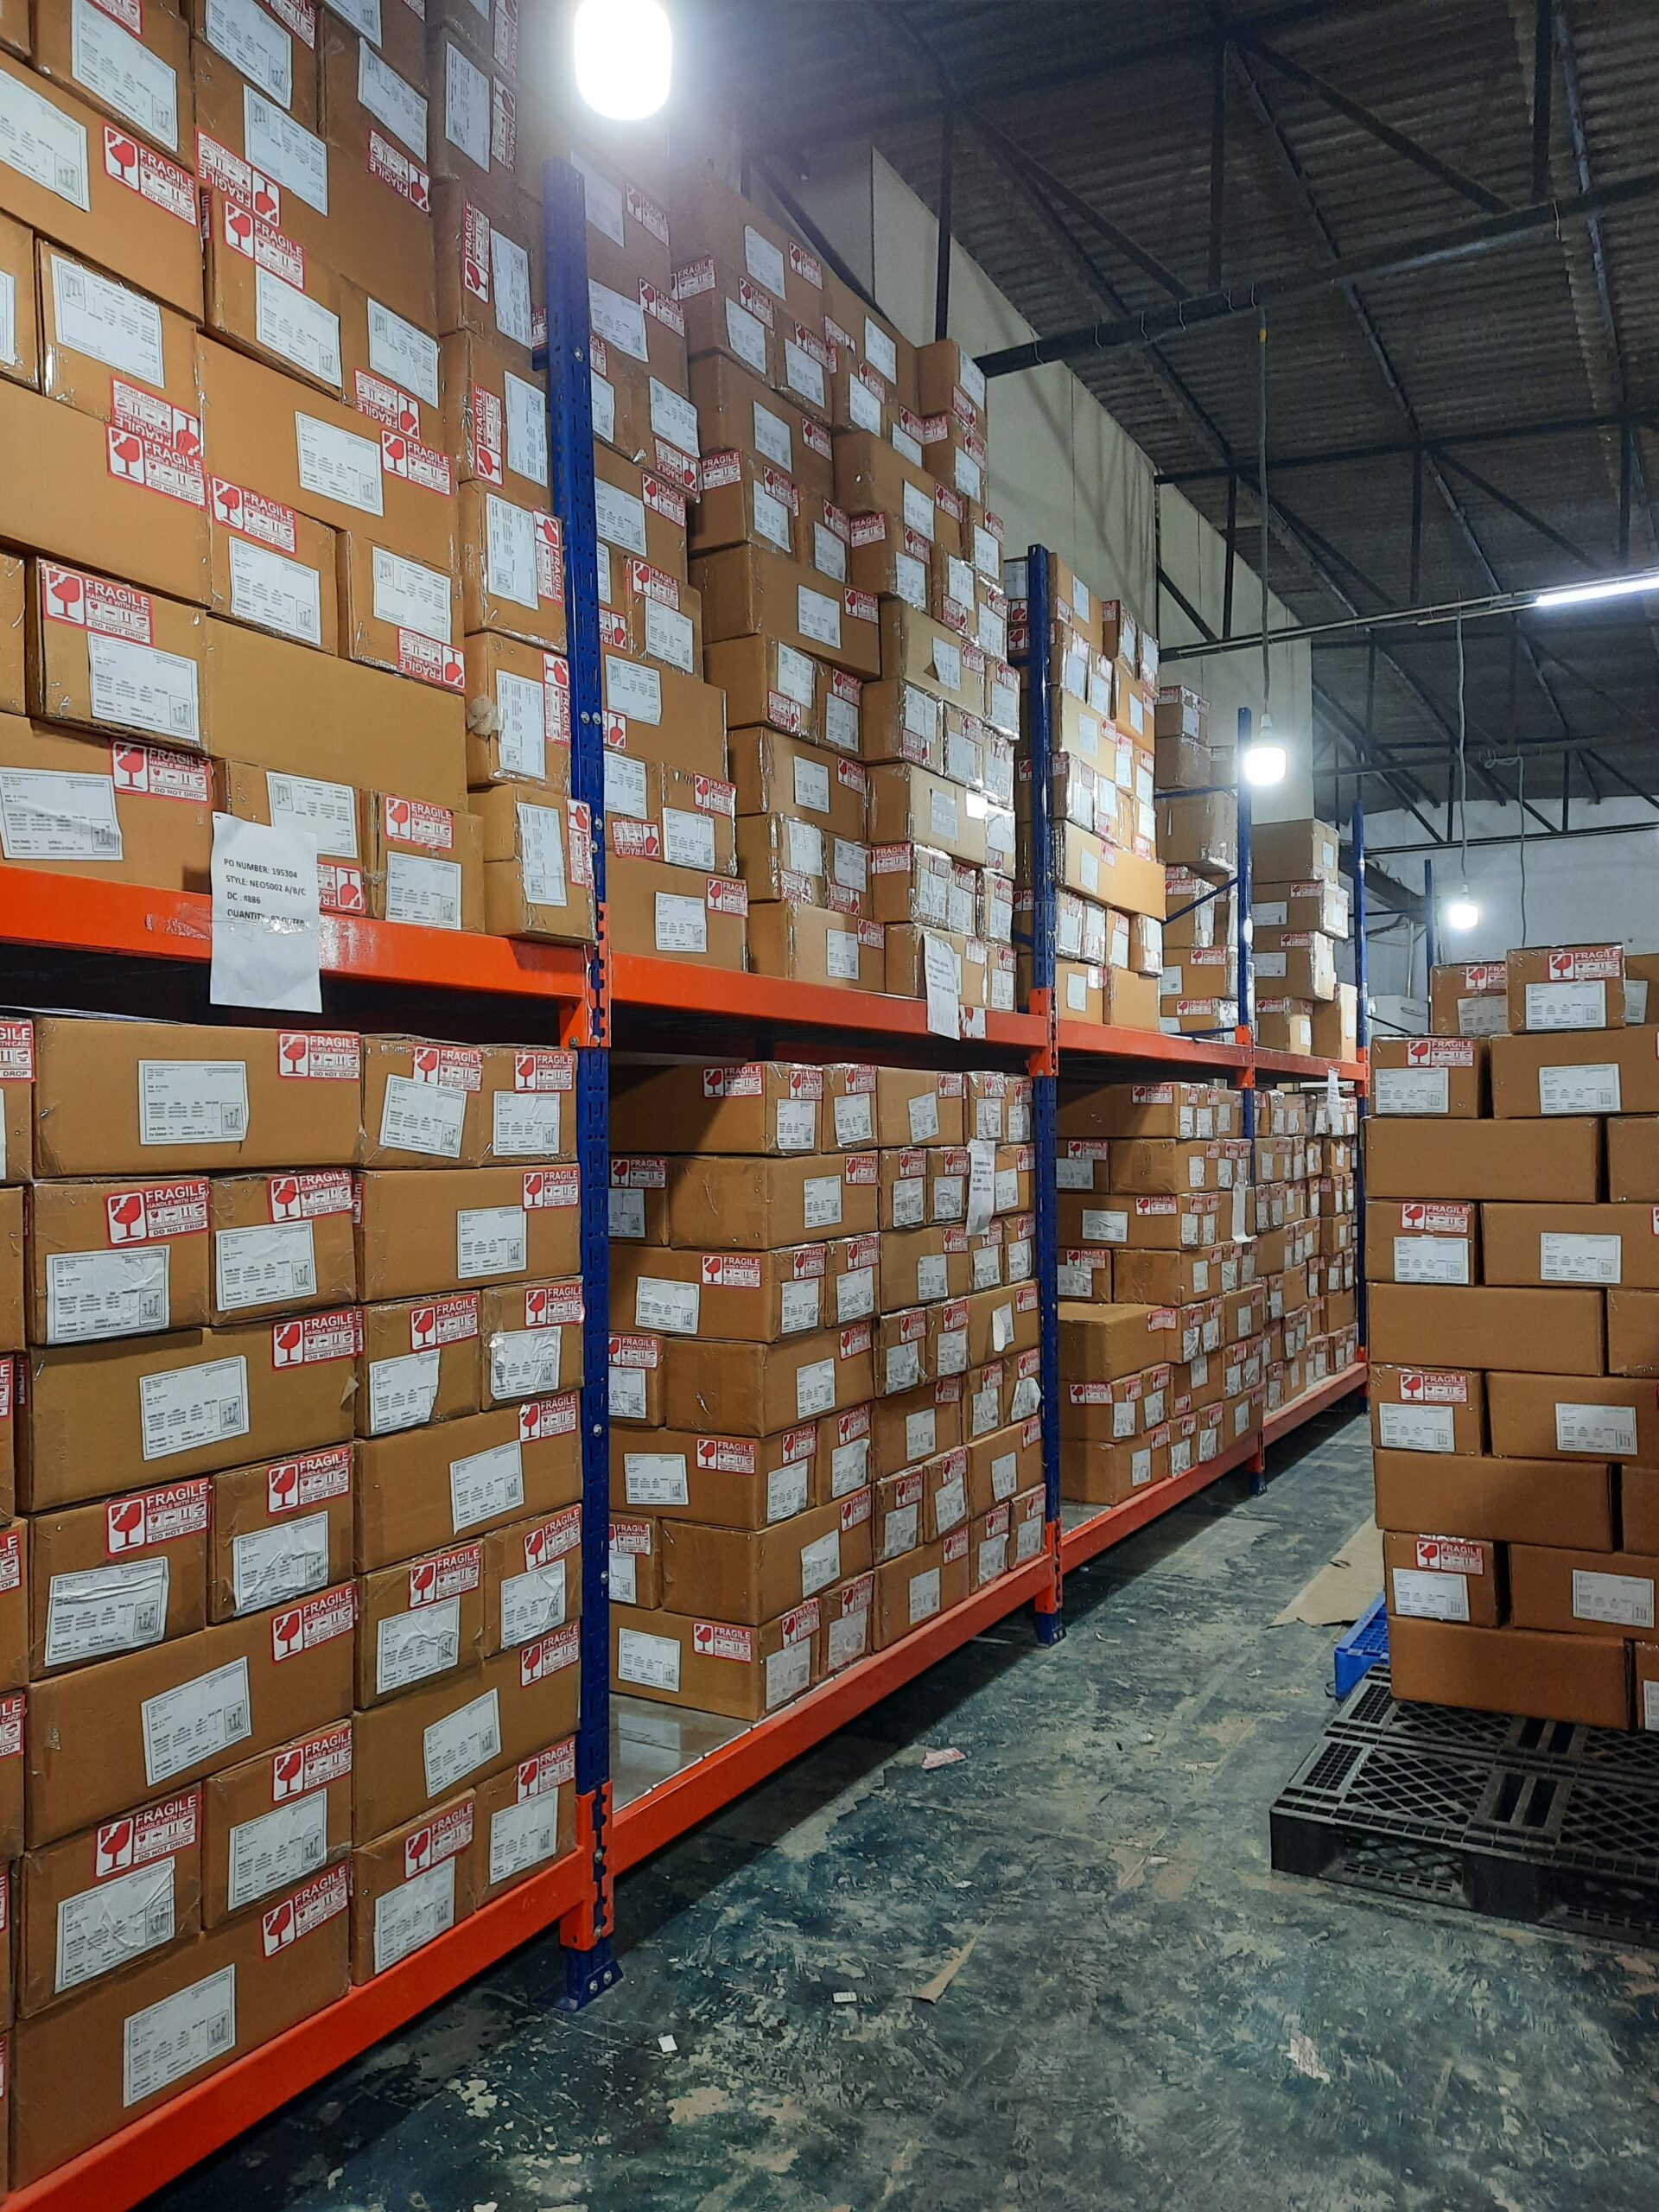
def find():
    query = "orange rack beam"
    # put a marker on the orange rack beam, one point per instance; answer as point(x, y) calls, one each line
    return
point(636, 980)
point(708, 1783)
point(126, 2168)
point(1150, 1045)
point(72, 914)
point(1305, 1064)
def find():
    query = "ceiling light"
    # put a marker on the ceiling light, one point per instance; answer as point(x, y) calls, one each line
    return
point(1263, 760)
point(624, 56)
point(1461, 913)
point(1610, 588)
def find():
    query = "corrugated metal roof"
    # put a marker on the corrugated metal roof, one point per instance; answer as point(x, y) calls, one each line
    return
point(1114, 100)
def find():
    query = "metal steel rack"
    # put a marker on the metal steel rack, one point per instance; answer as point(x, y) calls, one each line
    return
point(79, 932)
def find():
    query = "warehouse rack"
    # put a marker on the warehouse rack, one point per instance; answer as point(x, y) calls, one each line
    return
point(79, 930)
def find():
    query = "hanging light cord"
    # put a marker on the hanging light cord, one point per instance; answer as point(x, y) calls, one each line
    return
point(1262, 480)
point(1463, 761)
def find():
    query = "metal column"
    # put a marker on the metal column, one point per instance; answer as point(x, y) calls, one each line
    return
point(1363, 1037)
point(1244, 933)
point(1431, 926)
point(585, 1933)
point(1051, 1625)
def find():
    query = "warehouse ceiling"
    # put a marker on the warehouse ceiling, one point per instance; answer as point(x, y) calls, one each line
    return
point(1478, 423)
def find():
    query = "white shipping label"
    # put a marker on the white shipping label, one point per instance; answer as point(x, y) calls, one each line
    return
point(410, 1647)
point(789, 1672)
point(840, 955)
point(301, 330)
point(278, 1848)
point(820, 1563)
point(814, 1388)
point(786, 1490)
point(272, 1566)
point(669, 637)
point(525, 1125)
point(1650, 1706)
point(803, 374)
point(652, 1661)
point(526, 429)
point(667, 1307)
point(521, 706)
point(466, 108)
point(402, 1391)
point(1411, 1090)
point(423, 890)
point(796, 1128)
point(532, 1603)
point(619, 320)
point(621, 517)
point(95, 1295)
point(522, 1835)
point(510, 551)
point(462, 1743)
point(1626, 1601)
point(141, 687)
point(283, 150)
point(1580, 1259)
point(763, 261)
point(681, 924)
point(187, 1408)
point(602, 200)
point(415, 1912)
point(1430, 1597)
point(1487, 1016)
point(811, 786)
point(541, 854)
point(1416, 1428)
point(42, 143)
point(1566, 1006)
point(327, 813)
point(491, 1241)
point(856, 1119)
point(274, 593)
point(47, 816)
point(486, 1485)
point(98, 317)
point(924, 1113)
point(828, 553)
point(510, 277)
point(799, 1307)
point(821, 1201)
point(674, 418)
point(817, 617)
point(336, 464)
point(923, 1595)
point(909, 1202)
point(863, 407)
point(272, 1264)
point(197, 1721)
point(745, 334)
point(771, 518)
point(524, 1363)
point(398, 351)
point(391, 101)
point(174, 2037)
point(1583, 1089)
point(627, 787)
point(425, 1117)
point(192, 1102)
point(118, 69)
point(1636, 1008)
point(1431, 1259)
point(411, 597)
point(106, 1609)
point(655, 1478)
point(1608, 1432)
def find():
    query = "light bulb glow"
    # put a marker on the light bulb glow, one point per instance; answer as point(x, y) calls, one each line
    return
point(1461, 914)
point(1263, 762)
point(624, 57)
point(1610, 588)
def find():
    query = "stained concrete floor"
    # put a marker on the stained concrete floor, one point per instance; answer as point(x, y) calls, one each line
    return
point(1148, 2016)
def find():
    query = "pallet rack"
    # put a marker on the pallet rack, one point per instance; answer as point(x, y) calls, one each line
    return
point(481, 985)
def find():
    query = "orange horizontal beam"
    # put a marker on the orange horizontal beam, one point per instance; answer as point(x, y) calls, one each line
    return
point(684, 987)
point(129, 2166)
point(1098, 1039)
point(703, 1788)
point(77, 914)
point(1307, 1065)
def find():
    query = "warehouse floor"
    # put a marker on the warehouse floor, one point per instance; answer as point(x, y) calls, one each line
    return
point(1147, 2016)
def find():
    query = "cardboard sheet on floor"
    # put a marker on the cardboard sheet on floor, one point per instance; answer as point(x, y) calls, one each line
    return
point(1339, 1593)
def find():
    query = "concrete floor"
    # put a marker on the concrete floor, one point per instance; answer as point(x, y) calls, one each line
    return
point(1148, 2017)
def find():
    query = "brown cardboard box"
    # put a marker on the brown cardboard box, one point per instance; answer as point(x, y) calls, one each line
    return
point(281, 707)
point(107, 1578)
point(103, 1418)
point(89, 325)
point(1597, 1245)
point(1644, 1658)
point(282, 1244)
point(494, 419)
point(1565, 986)
point(635, 1558)
point(777, 774)
point(1100, 1343)
point(758, 1389)
point(1513, 1159)
point(800, 941)
point(1443, 1579)
point(418, 1620)
point(252, 1978)
point(412, 1887)
point(130, 209)
point(512, 567)
point(525, 1819)
point(537, 859)
point(1604, 1071)
point(96, 1902)
point(280, 1530)
point(1582, 1593)
point(1632, 1332)
point(489, 281)
point(419, 1363)
point(421, 863)
point(116, 1259)
point(1285, 852)
point(397, 614)
point(530, 1340)
point(1498, 1501)
point(1440, 1410)
point(89, 495)
point(205, 1096)
point(256, 41)
point(413, 1753)
point(424, 1101)
point(750, 1576)
point(1545, 1414)
point(769, 682)
point(116, 810)
point(759, 1205)
point(427, 1230)
point(1431, 1241)
point(105, 1737)
point(639, 516)
point(1428, 1075)
point(677, 913)
point(14, 698)
point(750, 591)
point(1638, 1511)
point(751, 1297)
point(527, 740)
point(636, 1379)
point(21, 363)
point(139, 76)
point(532, 1580)
point(1581, 1678)
point(1537, 1331)
point(1469, 999)
point(429, 1488)
point(715, 1666)
point(268, 297)
point(1633, 1157)
point(737, 412)
point(772, 1107)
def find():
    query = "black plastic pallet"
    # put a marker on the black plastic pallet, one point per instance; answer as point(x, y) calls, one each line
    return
point(1553, 1824)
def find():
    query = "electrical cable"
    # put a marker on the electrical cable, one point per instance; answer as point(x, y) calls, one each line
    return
point(1463, 762)
point(1261, 483)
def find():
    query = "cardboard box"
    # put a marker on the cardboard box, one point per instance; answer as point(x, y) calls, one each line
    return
point(656, 714)
point(426, 1232)
point(1435, 1409)
point(777, 774)
point(1534, 1332)
point(1581, 1592)
point(419, 1363)
point(524, 1819)
point(1428, 1075)
point(90, 325)
point(1550, 1677)
point(741, 1672)
point(421, 863)
point(419, 1620)
point(748, 1297)
point(532, 1580)
point(1562, 1415)
point(518, 720)
point(1632, 1332)
point(1498, 1501)
point(279, 1530)
point(20, 361)
point(423, 1102)
point(1512, 1160)
point(1607, 1072)
point(271, 567)
point(117, 1259)
point(1633, 1159)
point(104, 1579)
point(1443, 1579)
point(149, 1098)
point(677, 913)
point(530, 1341)
point(488, 282)
point(282, 1244)
point(427, 1489)
point(512, 567)
point(94, 1903)
point(256, 41)
point(758, 1389)
point(635, 1557)
point(1469, 999)
point(1288, 852)
point(738, 412)
point(1420, 1240)
point(769, 1107)
point(1565, 986)
point(537, 866)
point(397, 614)
point(276, 1820)
point(412, 1887)
point(116, 810)
point(242, 1984)
point(799, 942)
point(751, 1576)
point(759, 1205)
point(1599, 1245)
point(749, 591)
point(491, 418)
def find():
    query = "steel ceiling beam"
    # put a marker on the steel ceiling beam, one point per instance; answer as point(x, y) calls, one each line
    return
point(1440, 443)
point(1521, 512)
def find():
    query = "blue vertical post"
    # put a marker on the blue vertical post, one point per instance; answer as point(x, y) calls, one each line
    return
point(1243, 930)
point(1050, 1625)
point(1362, 1036)
point(589, 1967)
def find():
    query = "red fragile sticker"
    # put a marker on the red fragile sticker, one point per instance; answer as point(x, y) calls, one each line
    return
point(319, 1760)
point(320, 1056)
point(444, 1836)
point(316, 1336)
point(319, 1620)
point(310, 1195)
point(417, 822)
point(451, 1321)
point(546, 1187)
point(547, 1771)
point(157, 1517)
point(547, 1417)
point(324, 1897)
point(160, 1210)
point(142, 1839)
point(163, 183)
point(309, 1480)
point(252, 515)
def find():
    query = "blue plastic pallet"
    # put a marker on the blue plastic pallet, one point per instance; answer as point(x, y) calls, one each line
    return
point(1365, 1646)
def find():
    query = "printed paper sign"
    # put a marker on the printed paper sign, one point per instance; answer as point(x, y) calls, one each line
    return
point(267, 928)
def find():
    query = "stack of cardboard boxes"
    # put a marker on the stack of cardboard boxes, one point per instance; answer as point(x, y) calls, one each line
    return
point(1102, 672)
point(823, 1388)
point(278, 461)
point(1512, 1193)
point(294, 1587)
point(1300, 912)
